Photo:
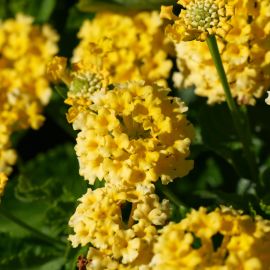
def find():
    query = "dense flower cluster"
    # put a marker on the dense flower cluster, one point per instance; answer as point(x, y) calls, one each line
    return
point(24, 89)
point(133, 47)
point(133, 133)
point(198, 19)
point(245, 54)
point(130, 135)
point(99, 220)
point(222, 239)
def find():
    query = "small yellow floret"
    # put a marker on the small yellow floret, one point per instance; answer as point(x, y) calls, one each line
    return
point(57, 69)
point(198, 19)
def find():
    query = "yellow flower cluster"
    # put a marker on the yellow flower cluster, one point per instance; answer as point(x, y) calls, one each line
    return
point(132, 47)
point(24, 89)
point(245, 52)
point(198, 19)
point(220, 240)
point(99, 220)
point(133, 133)
point(130, 135)
point(3, 182)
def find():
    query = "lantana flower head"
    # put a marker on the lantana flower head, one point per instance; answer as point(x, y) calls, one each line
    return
point(197, 19)
point(24, 89)
point(133, 46)
point(131, 133)
point(245, 56)
point(221, 239)
point(99, 220)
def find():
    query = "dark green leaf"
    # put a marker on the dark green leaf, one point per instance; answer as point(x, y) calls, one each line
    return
point(45, 10)
point(211, 175)
point(25, 253)
point(121, 5)
point(219, 135)
point(51, 175)
point(76, 18)
point(57, 110)
point(40, 10)
point(265, 204)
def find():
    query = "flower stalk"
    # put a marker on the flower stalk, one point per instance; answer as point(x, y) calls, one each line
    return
point(240, 118)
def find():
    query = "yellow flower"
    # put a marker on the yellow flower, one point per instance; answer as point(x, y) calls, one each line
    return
point(97, 260)
point(56, 69)
point(99, 220)
point(198, 19)
point(3, 182)
point(245, 55)
point(222, 239)
point(173, 250)
point(267, 100)
point(24, 90)
point(7, 156)
point(133, 133)
point(127, 47)
point(151, 211)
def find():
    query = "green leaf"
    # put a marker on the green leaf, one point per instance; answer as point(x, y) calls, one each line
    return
point(265, 175)
point(45, 10)
point(246, 186)
point(25, 253)
point(31, 214)
point(57, 110)
point(121, 5)
point(40, 10)
point(3, 9)
point(265, 205)
point(52, 182)
point(51, 175)
point(76, 18)
point(211, 175)
point(219, 135)
point(248, 203)
point(46, 195)
point(55, 264)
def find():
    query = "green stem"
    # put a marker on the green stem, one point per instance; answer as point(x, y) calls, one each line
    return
point(170, 195)
point(240, 118)
point(40, 235)
point(67, 251)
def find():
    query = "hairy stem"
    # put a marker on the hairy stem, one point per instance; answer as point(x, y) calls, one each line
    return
point(240, 118)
